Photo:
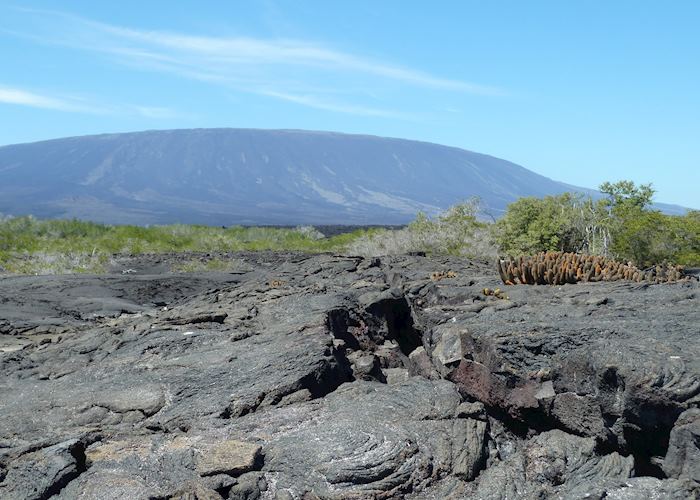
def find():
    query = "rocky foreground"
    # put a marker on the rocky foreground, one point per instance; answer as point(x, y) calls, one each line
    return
point(304, 377)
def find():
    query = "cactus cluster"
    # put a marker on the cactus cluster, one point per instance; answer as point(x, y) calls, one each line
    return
point(557, 268)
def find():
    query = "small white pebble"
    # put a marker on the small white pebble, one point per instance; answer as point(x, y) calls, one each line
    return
point(674, 357)
point(165, 308)
point(454, 319)
point(187, 333)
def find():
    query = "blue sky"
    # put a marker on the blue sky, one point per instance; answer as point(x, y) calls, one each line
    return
point(582, 92)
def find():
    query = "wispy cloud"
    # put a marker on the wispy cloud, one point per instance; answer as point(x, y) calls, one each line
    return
point(258, 52)
point(72, 104)
point(307, 73)
point(21, 97)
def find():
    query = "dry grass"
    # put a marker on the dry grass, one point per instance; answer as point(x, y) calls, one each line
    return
point(41, 263)
point(440, 241)
point(457, 231)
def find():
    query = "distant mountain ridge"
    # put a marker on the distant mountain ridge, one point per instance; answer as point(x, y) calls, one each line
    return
point(252, 176)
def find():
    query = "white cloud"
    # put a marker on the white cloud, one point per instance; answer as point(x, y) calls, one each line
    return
point(21, 97)
point(244, 50)
point(73, 104)
point(303, 72)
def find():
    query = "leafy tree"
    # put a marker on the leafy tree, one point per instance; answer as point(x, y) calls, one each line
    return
point(685, 237)
point(532, 225)
point(622, 225)
point(637, 232)
point(626, 195)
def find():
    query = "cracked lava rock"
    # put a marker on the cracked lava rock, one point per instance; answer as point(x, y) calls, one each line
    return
point(330, 377)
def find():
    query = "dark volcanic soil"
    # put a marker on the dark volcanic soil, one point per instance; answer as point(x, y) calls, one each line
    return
point(305, 377)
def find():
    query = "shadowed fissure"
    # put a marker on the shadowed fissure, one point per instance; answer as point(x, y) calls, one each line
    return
point(646, 432)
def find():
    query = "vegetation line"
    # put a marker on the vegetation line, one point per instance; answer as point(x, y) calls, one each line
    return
point(32, 246)
point(621, 226)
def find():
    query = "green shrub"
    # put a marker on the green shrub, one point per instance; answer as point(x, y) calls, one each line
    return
point(621, 226)
point(531, 225)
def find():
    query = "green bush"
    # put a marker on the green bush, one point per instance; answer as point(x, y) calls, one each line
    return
point(621, 226)
point(683, 238)
point(531, 225)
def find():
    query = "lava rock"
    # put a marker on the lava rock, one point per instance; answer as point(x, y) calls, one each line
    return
point(229, 457)
point(683, 457)
point(209, 385)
